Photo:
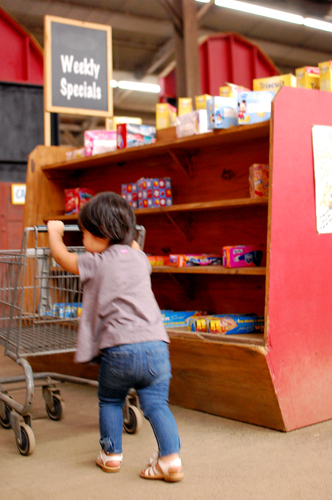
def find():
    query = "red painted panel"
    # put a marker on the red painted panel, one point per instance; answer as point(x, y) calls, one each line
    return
point(11, 220)
point(224, 58)
point(20, 55)
point(300, 311)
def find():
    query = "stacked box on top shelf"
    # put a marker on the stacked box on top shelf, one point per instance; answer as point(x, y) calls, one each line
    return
point(154, 192)
point(129, 192)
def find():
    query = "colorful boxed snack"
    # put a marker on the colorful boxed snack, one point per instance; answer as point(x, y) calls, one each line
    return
point(75, 199)
point(185, 105)
point(175, 319)
point(274, 83)
point(113, 122)
point(189, 260)
point(254, 107)
point(325, 76)
point(242, 255)
point(307, 77)
point(99, 141)
point(192, 123)
point(130, 193)
point(165, 115)
point(154, 192)
point(201, 100)
point(258, 180)
point(130, 135)
point(158, 260)
point(231, 90)
point(227, 324)
point(222, 112)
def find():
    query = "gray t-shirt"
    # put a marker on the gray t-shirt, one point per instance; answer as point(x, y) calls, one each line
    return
point(118, 305)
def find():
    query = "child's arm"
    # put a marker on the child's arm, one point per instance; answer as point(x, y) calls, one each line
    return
point(67, 260)
point(135, 245)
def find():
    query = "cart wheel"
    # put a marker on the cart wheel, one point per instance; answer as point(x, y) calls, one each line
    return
point(135, 420)
point(5, 422)
point(57, 412)
point(28, 442)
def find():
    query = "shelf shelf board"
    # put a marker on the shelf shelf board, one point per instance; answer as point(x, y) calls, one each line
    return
point(209, 270)
point(245, 338)
point(200, 206)
point(240, 133)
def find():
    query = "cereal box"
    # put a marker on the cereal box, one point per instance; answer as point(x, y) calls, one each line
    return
point(201, 100)
point(165, 115)
point(242, 255)
point(185, 105)
point(258, 180)
point(222, 112)
point(129, 192)
point(254, 107)
point(307, 77)
point(76, 198)
point(154, 192)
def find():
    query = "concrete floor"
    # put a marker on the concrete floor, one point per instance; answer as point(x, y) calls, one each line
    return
point(221, 458)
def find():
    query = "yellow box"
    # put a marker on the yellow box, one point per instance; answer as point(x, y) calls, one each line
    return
point(325, 77)
point(165, 115)
point(307, 77)
point(231, 90)
point(185, 105)
point(200, 101)
point(274, 82)
point(115, 120)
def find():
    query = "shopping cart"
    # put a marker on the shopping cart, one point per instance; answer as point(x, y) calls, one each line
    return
point(40, 307)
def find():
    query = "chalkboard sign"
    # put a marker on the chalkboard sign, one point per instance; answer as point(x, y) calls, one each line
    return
point(77, 71)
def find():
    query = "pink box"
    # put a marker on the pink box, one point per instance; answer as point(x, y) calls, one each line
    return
point(154, 192)
point(242, 255)
point(130, 193)
point(99, 141)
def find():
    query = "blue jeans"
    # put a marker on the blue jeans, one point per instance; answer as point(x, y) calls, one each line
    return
point(145, 367)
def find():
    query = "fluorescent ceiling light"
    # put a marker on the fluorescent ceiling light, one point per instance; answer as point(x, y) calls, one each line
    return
point(114, 83)
point(319, 25)
point(260, 11)
point(140, 86)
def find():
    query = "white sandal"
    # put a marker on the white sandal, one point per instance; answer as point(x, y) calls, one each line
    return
point(103, 458)
point(151, 472)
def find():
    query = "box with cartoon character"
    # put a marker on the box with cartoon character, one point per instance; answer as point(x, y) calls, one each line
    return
point(222, 112)
point(254, 107)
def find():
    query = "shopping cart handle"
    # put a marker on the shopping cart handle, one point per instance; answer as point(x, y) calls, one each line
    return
point(68, 227)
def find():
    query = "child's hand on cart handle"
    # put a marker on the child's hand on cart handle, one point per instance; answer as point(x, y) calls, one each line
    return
point(67, 260)
point(56, 226)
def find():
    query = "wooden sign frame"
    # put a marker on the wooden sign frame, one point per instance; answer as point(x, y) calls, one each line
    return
point(80, 87)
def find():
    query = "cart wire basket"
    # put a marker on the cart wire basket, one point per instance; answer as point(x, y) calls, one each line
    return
point(40, 307)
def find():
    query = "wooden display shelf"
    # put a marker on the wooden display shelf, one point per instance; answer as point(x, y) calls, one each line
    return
point(210, 270)
point(188, 207)
point(245, 338)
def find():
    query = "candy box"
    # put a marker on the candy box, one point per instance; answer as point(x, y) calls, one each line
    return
point(129, 135)
point(201, 100)
point(99, 141)
point(189, 260)
point(254, 107)
point(192, 123)
point(154, 192)
point(175, 319)
point(185, 105)
point(158, 260)
point(258, 180)
point(242, 255)
point(307, 77)
point(227, 324)
point(222, 112)
point(274, 83)
point(129, 192)
point(76, 198)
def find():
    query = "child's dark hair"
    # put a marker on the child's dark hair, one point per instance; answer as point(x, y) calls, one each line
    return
point(108, 215)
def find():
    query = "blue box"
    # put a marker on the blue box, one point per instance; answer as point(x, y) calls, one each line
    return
point(175, 319)
point(222, 112)
point(254, 107)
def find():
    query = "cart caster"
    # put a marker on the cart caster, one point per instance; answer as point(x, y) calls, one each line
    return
point(56, 411)
point(27, 443)
point(5, 418)
point(134, 422)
